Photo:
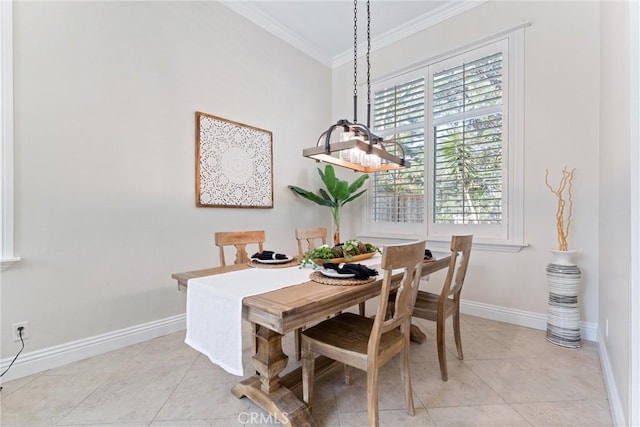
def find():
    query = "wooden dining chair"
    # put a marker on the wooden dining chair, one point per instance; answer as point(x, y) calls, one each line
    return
point(240, 240)
point(311, 236)
point(368, 343)
point(438, 307)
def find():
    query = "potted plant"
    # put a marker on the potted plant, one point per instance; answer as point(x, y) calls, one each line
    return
point(563, 275)
point(336, 194)
point(563, 221)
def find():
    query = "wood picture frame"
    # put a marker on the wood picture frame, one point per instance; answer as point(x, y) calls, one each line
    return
point(234, 164)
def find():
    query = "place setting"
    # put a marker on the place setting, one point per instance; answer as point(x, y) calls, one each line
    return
point(343, 274)
point(271, 259)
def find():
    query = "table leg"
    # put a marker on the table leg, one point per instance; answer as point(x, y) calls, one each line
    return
point(265, 388)
point(416, 335)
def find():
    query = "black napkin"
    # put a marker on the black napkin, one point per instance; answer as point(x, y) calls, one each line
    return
point(360, 271)
point(266, 255)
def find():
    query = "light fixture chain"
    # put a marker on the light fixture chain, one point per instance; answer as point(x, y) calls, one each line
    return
point(355, 47)
point(368, 64)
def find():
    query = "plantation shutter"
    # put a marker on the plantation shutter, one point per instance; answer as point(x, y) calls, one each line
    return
point(467, 142)
point(398, 114)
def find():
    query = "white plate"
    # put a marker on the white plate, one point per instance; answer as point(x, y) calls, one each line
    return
point(272, 261)
point(332, 273)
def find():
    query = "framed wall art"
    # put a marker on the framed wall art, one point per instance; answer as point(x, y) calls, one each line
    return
point(234, 164)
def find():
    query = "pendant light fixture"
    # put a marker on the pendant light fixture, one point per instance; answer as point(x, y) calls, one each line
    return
point(354, 146)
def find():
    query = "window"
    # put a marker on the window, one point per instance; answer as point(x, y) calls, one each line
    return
point(457, 118)
point(467, 142)
point(7, 257)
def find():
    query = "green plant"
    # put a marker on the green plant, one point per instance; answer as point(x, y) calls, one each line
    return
point(336, 194)
point(348, 250)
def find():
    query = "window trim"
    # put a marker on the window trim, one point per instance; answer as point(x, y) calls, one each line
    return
point(7, 257)
point(514, 240)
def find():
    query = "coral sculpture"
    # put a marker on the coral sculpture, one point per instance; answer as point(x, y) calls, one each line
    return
point(562, 224)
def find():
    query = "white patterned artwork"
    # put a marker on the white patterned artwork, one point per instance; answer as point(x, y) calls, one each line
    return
point(234, 167)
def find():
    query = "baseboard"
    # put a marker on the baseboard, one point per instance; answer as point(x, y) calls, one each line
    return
point(615, 404)
point(588, 330)
point(52, 357)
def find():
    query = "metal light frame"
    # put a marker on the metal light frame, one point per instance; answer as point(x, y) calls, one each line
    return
point(361, 143)
point(367, 142)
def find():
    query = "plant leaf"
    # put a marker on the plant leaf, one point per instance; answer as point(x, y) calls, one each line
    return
point(357, 183)
point(329, 179)
point(341, 192)
point(326, 196)
point(355, 196)
point(311, 196)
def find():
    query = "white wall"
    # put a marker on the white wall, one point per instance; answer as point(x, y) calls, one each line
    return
point(615, 197)
point(105, 101)
point(561, 128)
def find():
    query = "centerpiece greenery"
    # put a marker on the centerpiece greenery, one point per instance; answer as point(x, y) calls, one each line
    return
point(347, 250)
point(336, 194)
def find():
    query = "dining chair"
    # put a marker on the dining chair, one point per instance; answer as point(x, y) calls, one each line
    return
point(240, 240)
point(368, 343)
point(438, 307)
point(310, 236)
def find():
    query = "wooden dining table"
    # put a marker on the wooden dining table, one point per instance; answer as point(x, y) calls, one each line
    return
point(277, 312)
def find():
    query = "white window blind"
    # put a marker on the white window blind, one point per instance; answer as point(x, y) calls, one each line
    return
point(398, 114)
point(467, 142)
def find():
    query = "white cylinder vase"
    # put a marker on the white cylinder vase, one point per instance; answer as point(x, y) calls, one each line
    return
point(563, 312)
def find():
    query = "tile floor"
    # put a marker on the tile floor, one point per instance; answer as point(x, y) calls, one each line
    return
point(510, 376)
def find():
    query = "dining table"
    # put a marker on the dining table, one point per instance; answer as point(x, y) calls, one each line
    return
point(279, 311)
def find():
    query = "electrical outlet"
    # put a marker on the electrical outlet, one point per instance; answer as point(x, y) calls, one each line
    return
point(25, 331)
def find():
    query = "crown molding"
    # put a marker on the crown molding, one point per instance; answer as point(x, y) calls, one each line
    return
point(269, 24)
point(409, 28)
point(422, 22)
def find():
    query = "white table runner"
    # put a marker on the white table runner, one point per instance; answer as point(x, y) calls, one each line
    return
point(214, 310)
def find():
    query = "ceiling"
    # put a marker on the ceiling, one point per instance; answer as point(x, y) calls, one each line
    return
point(324, 29)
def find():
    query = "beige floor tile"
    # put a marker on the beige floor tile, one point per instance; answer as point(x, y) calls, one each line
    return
point(205, 392)
point(539, 379)
point(566, 413)
point(354, 397)
point(191, 423)
point(100, 367)
point(133, 394)
point(464, 387)
point(9, 387)
point(45, 400)
point(480, 415)
point(390, 418)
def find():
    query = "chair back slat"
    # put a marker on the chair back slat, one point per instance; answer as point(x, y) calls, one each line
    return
point(409, 258)
point(310, 236)
point(460, 252)
point(240, 240)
